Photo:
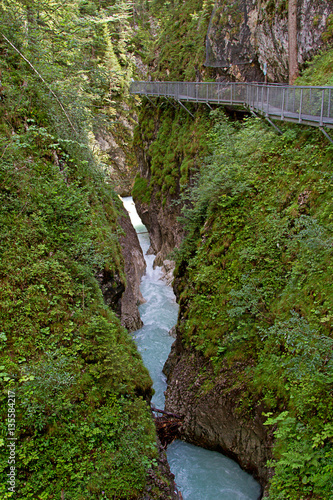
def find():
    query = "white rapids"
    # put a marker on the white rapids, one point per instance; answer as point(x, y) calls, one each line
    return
point(200, 474)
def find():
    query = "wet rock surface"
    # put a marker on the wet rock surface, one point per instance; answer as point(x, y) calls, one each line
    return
point(112, 289)
point(165, 231)
point(210, 407)
point(244, 36)
point(135, 267)
point(167, 270)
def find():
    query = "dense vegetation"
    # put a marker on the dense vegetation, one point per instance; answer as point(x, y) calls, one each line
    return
point(174, 142)
point(257, 288)
point(83, 427)
point(254, 272)
point(170, 37)
point(320, 70)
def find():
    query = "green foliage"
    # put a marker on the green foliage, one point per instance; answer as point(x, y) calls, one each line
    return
point(141, 190)
point(83, 427)
point(82, 52)
point(58, 229)
point(255, 281)
point(319, 70)
point(270, 9)
point(328, 34)
point(173, 143)
point(178, 48)
point(228, 11)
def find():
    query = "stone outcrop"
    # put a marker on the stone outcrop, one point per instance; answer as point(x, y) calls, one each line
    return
point(165, 231)
point(116, 158)
point(160, 219)
point(210, 407)
point(168, 268)
point(135, 267)
point(244, 35)
point(124, 298)
point(112, 288)
point(113, 143)
point(245, 39)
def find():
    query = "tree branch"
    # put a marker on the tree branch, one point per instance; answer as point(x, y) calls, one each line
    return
point(40, 76)
point(164, 412)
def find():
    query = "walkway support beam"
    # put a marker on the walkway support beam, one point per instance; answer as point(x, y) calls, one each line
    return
point(273, 125)
point(326, 134)
point(150, 100)
point(189, 112)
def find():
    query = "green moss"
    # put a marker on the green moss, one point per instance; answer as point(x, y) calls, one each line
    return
point(328, 34)
point(83, 426)
point(179, 50)
point(319, 70)
point(270, 9)
point(227, 12)
point(141, 190)
point(174, 151)
point(255, 283)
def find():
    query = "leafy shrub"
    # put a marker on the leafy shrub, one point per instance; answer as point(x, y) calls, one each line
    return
point(254, 276)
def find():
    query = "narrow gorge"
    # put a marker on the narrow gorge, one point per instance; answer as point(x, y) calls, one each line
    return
point(237, 215)
point(198, 473)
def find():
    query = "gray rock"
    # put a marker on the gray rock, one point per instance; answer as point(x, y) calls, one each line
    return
point(135, 267)
point(165, 231)
point(245, 34)
point(210, 405)
point(168, 268)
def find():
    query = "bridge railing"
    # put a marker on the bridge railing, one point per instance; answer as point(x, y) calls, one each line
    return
point(296, 103)
point(193, 91)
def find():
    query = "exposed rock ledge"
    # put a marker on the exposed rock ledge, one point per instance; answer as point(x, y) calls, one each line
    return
point(135, 267)
point(168, 268)
point(161, 479)
point(211, 419)
point(243, 37)
point(165, 231)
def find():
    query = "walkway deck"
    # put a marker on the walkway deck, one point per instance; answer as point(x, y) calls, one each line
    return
point(305, 105)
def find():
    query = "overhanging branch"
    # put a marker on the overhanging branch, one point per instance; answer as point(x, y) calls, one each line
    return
point(40, 76)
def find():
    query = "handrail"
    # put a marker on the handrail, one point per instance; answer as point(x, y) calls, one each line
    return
point(310, 105)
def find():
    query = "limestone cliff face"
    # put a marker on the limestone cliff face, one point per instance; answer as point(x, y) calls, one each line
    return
point(245, 34)
point(135, 267)
point(210, 407)
point(113, 143)
point(124, 298)
point(164, 230)
point(112, 287)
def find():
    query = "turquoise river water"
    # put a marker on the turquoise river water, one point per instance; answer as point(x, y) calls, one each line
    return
point(200, 474)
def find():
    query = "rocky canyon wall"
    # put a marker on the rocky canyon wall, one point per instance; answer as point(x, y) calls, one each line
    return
point(164, 230)
point(135, 267)
point(210, 406)
point(156, 204)
point(245, 36)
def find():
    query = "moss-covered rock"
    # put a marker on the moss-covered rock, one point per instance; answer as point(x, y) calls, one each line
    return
point(74, 393)
point(254, 282)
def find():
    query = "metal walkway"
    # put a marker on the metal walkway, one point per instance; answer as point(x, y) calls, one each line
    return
point(305, 105)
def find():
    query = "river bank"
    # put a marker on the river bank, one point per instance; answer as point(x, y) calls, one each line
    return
point(200, 474)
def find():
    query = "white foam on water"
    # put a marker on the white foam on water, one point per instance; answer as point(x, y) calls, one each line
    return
point(200, 474)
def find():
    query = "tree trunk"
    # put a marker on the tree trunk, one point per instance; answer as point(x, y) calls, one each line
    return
point(292, 41)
